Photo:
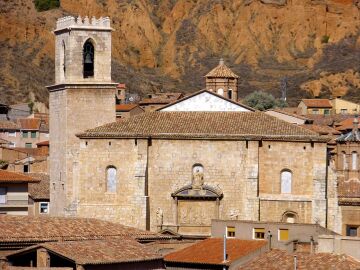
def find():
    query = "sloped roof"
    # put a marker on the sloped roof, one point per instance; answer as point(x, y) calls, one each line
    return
point(210, 251)
point(99, 251)
point(209, 92)
point(125, 107)
point(29, 123)
point(346, 124)
point(43, 143)
point(281, 260)
point(14, 177)
point(9, 125)
point(221, 71)
point(321, 130)
point(40, 190)
point(208, 125)
point(43, 229)
point(317, 103)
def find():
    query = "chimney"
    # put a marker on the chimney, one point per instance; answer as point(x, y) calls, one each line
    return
point(221, 62)
point(355, 126)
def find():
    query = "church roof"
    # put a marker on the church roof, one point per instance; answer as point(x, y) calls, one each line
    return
point(221, 71)
point(200, 125)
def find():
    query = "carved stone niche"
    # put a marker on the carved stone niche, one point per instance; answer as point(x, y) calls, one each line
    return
point(195, 208)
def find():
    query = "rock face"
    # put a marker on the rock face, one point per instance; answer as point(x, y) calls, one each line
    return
point(168, 45)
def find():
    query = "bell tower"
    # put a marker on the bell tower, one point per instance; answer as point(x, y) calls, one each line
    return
point(83, 97)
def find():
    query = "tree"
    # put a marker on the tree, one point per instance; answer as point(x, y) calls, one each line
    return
point(262, 101)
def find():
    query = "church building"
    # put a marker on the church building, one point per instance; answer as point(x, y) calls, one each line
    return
point(178, 167)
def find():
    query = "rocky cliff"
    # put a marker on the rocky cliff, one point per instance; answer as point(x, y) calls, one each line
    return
point(171, 44)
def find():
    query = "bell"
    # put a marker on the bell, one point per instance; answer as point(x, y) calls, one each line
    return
point(88, 59)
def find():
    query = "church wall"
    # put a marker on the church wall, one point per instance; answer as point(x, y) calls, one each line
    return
point(350, 216)
point(307, 163)
point(128, 204)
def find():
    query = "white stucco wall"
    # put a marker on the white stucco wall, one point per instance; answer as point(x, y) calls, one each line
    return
point(205, 102)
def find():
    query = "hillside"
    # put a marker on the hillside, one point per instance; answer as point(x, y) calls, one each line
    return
point(171, 44)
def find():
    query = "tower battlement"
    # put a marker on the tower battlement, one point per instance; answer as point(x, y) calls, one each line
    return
point(79, 22)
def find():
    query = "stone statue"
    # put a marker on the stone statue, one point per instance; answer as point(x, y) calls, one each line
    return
point(198, 178)
point(159, 216)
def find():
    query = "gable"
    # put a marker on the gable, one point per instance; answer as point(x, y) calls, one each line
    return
point(205, 102)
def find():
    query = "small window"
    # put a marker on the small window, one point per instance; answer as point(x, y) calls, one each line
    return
point(2, 195)
point(315, 111)
point(111, 179)
point(44, 208)
point(343, 111)
point(286, 181)
point(220, 92)
point(12, 133)
point(344, 161)
point(326, 112)
point(351, 230)
point(230, 94)
point(283, 234)
point(12, 144)
point(230, 231)
point(26, 168)
point(28, 145)
point(25, 134)
point(354, 159)
point(33, 134)
point(289, 217)
point(259, 233)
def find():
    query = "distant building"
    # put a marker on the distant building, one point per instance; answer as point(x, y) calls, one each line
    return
point(39, 194)
point(223, 81)
point(125, 111)
point(342, 106)
point(289, 117)
point(315, 106)
point(158, 100)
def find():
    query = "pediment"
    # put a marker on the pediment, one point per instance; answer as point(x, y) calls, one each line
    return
point(206, 192)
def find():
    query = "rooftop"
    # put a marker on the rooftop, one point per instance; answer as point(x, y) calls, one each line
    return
point(40, 190)
point(321, 130)
point(281, 260)
point(125, 107)
point(221, 71)
point(317, 103)
point(43, 143)
point(98, 251)
point(29, 123)
point(9, 125)
point(44, 229)
point(209, 125)
point(210, 251)
point(14, 177)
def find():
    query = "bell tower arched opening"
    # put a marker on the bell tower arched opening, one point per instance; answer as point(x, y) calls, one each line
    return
point(88, 59)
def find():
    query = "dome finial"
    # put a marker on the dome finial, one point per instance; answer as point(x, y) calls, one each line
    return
point(221, 62)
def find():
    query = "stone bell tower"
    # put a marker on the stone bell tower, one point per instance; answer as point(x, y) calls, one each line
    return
point(83, 97)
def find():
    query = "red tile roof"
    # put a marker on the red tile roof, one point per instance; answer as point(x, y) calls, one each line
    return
point(9, 125)
point(43, 143)
point(125, 107)
point(29, 123)
point(14, 177)
point(281, 260)
point(317, 103)
point(99, 251)
point(40, 190)
point(210, 251)
point(209, 125)
point(346, 124)
point(43, 229)
point(221, 71)
point(321, 130)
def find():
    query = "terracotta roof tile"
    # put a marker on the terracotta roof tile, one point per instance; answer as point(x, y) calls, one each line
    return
point(35, 152)
point(42, 229)
point(238, 125)
point(29, 123)
point(210, 251)
point(346, 124)
point(9, 125)
point(40, 190)
point(281, 260)
point(317, 103)
point(125, 107)
point(43, 143)
point(221, 71)
point(14, 177)
point(322, 130)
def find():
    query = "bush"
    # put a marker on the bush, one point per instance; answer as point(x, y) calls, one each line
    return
point(262, 101)
point(43, 5)
point(325, 39)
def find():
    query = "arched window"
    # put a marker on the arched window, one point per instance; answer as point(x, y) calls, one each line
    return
point(220, 92)
point(286, 181)
point(354, 160)
point(289, 217)
point(230, 94)
point(88, 59)
point(64, 59)
point(344, 161)
point(111, 179)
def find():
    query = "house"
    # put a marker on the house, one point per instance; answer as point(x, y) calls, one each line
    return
point(88, 255)
point(315, 106)
point(157, 100)
point(286, 235)
point(39, 194)
point(14, 193)
point(342, 106)
point(289, 117)
point(125, 111)
point(276, 259)
point(205, 100)
point(215, 253)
